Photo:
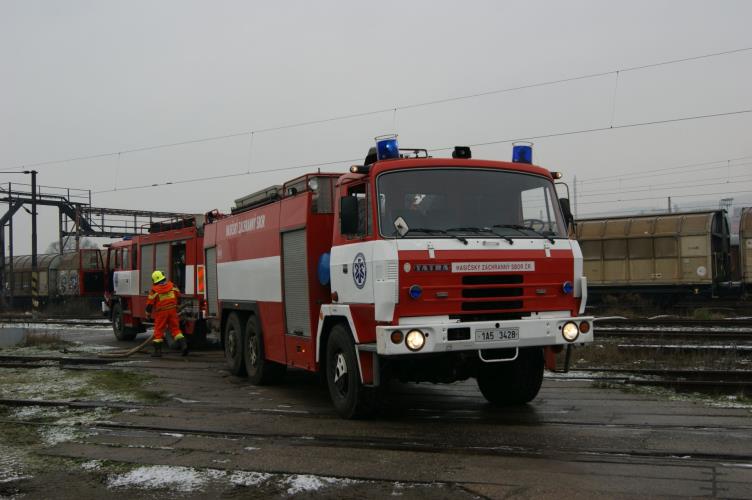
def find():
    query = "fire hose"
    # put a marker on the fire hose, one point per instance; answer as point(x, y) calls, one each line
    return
point(130, 352)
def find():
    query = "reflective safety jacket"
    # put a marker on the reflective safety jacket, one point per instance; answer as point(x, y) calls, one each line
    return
point(162, 297)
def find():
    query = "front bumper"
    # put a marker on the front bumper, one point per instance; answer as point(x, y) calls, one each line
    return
point(531, 332)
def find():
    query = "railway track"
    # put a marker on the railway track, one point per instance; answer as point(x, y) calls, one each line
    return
point(449, 444)
point(24, 320)
point(705, 381)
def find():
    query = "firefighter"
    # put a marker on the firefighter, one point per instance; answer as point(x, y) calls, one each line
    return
point(163, 300)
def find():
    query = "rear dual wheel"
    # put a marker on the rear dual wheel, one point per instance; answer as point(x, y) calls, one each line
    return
point(260, 370)
point(233, 340)
point(244, 351)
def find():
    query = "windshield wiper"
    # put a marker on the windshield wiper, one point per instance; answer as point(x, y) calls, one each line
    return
point(435, 231)
point(482, 230)
point(525, 228)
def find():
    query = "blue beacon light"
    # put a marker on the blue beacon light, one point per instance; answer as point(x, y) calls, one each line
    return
point(522, 152)
point(567, 287)
point(386, 147)
point(415, 292)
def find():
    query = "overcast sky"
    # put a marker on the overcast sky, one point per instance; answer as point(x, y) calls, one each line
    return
point(82, 78)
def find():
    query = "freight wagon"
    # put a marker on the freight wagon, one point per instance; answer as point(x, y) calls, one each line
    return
point(672, 253)
point(60, 277)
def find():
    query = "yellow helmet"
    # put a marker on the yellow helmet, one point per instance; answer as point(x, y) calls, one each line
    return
point(157, 276)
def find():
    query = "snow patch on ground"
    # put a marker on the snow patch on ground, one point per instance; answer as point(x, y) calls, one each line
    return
point(11, 465)
point(176, 478)
point(244, 478)
point(300, 483)
point(186, 479)
point(91, 465)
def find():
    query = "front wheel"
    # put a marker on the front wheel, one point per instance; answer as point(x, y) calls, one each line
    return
point(512, 382)
point(260, 370)
point(233, 338)
point(351, 399)
point(121, 331)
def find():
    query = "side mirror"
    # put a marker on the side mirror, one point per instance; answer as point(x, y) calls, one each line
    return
point(348, 215)
point(566, 210)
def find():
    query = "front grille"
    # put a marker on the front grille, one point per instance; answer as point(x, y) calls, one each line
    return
point(482, 293)
point(491, 306)
point(493, 279)
point(499, 316)
point(480, 287)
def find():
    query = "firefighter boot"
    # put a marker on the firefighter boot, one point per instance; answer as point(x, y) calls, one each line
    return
point(182, 345)
point(157, 350)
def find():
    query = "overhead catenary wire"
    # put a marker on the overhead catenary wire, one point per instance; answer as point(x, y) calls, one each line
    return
point(336, 162)
point(670, 185)
point(692, 195)
point(392, 109)
point(645, 172)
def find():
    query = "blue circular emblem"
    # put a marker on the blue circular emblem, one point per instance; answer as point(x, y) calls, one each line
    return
point(359, 270)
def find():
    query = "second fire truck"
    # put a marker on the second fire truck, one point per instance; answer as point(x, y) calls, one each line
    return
point(175, 248)
point(407, 267)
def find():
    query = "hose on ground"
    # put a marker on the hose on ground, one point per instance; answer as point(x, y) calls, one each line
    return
point(125, 354)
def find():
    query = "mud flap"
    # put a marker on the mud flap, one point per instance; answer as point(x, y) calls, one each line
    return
point(368, 362)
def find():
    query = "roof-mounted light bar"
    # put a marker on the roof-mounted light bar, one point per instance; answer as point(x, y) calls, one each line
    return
point(522, 152)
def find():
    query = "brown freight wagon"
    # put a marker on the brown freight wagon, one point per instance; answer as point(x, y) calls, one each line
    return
point(673, 253)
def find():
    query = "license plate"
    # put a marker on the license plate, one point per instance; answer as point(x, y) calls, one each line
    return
point(496, 334)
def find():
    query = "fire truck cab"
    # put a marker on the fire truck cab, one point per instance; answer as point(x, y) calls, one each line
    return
point(175, 248)
point(407, 267)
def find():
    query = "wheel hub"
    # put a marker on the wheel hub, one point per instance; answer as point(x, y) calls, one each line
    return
point(340, 370)
point(252, 350)
point(231, 343)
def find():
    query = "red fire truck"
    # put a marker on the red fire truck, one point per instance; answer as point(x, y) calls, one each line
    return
point(176, 248)
point(408, 267)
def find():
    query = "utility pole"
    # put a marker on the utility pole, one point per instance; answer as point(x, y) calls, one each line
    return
point(669, 204)
point(34, 269)
point(575, 196)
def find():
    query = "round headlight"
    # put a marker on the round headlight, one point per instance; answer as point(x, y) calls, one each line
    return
point(415, 340)
point(570, 331)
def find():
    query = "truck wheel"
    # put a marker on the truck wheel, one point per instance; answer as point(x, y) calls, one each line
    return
point(351, 399)
point(121, 331)
point(260, 370)
point(234, 345)
point(512, 383)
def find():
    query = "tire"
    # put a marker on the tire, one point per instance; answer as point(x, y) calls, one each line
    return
point(121, 331)
point(512, 383)
point(233, 340)
point(350, 398)
point(260, 370)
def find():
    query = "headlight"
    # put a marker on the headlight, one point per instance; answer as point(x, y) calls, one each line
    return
point(415, 340)
point(570, 331)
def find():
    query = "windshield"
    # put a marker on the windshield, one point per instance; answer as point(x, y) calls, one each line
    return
point(489, 203)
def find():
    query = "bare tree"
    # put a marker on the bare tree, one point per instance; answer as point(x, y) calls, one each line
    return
point(69, 245)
